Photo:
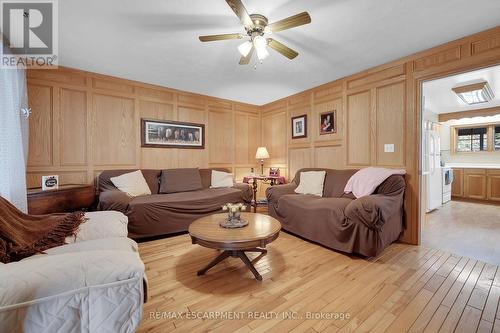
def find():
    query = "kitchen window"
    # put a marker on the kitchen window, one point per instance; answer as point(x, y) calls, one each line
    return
point(496, 138)
point(476, 138)
point(472, 139)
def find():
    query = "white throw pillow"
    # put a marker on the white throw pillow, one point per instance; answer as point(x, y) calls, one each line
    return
point(221, 179)
point(132, 183)
point(311, 182)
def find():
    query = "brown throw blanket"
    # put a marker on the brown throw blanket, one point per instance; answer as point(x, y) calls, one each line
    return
point(24, 235)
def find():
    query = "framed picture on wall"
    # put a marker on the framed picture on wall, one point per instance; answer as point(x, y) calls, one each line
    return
point(328, 122)
point(172, 134)
point(299, 127)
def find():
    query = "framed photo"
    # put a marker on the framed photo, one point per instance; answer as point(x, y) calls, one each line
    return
point(172, 134)
point(328, 122)
point(299, 127)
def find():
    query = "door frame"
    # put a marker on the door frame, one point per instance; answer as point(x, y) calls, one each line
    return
point(418, 81)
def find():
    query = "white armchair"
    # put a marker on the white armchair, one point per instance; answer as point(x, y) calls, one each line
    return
point(92, 285)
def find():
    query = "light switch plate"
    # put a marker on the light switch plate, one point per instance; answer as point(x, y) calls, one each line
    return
point(389, 148)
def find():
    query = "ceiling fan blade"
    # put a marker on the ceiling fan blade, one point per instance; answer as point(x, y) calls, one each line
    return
point(246, 60)
point(290, 22)
point(213, 38)
point(241, 12)
point(284, 50)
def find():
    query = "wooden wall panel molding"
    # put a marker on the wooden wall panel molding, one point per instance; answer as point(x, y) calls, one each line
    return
point(328, 91)
point(41, 101)
point(73, 127)
point(113, 85)
point(390, 124)
point(331, 157)
point(247, 108)
point(490, 43)
point(191, 99)
point(114, 131)
point(155, 94)
point(372, 78)
point(299, 158)
point(300, 99)
point(221, 139)
point(274, 106)
point(439, 58)
point(359, 133)
point(274, 136)
point(62, 75)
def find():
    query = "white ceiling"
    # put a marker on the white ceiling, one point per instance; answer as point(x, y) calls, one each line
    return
point(439, 98)
point(156, 41)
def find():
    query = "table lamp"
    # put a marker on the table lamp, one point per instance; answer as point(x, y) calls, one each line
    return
point(261, 155)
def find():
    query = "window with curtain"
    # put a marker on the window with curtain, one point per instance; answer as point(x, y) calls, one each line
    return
point(496, 138)
point(13, 136)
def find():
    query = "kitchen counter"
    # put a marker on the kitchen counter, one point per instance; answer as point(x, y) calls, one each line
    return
point(471, 166)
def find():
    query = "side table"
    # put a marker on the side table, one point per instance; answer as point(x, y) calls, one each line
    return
point(273, 180)
point(67, 198)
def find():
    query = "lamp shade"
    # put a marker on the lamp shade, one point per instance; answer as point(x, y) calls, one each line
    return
point(261, 153)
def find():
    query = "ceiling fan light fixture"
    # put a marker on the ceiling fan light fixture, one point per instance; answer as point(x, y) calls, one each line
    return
point(245, 48)
point(262, 54)
point(260, 44)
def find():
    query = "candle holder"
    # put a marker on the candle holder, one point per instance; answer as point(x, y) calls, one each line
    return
point(233, 219)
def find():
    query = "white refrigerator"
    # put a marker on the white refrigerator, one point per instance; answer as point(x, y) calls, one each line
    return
point(432, 170)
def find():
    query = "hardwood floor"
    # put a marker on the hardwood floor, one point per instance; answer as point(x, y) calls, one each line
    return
point(466, 228)
point(407, 288)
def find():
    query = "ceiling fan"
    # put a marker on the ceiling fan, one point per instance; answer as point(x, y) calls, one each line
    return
point(257, 26)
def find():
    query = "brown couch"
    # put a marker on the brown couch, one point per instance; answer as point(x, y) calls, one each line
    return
point(340, 221)
point(160, 214)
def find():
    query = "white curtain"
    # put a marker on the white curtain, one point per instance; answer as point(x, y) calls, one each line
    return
point(13, 136)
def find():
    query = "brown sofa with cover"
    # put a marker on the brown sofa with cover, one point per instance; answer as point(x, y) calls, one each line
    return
point(340, 221)
point(160, 214)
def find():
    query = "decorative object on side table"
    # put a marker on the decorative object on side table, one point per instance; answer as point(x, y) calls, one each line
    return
point(233, 219)
point(261, 155)
point(299, 127)
point(50, 182)
point(172, 134)
point(274, 172)
point(328, 122)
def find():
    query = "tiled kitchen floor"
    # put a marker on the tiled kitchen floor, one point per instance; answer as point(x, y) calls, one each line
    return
point(464, 228)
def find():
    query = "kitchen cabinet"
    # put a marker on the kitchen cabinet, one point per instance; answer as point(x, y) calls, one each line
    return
point(476, 184)
point(493, 185)
point(457, 187)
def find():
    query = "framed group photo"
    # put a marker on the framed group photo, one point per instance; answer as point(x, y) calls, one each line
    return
point(328, 122)
point(299, 127)
point(172, 134)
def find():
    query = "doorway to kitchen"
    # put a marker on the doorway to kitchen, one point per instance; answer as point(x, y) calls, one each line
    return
point(460, 163)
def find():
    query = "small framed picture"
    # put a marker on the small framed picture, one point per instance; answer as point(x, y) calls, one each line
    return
point(299, 127)
point(172, 134)
point(328, 122)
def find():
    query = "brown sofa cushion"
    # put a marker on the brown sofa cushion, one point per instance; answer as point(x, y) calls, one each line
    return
point(180, 180)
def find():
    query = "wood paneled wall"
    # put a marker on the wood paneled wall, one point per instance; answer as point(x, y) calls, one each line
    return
point(83, 123)
point(375, 107)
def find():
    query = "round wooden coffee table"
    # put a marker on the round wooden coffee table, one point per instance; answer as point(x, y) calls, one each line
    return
point(260, 231)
